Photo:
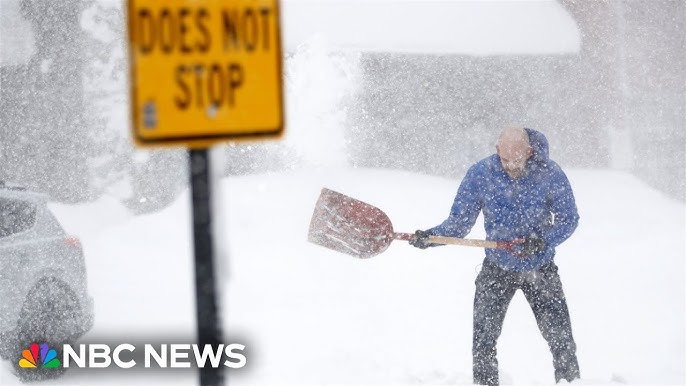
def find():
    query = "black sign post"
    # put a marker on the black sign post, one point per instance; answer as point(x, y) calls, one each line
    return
point(208, 321)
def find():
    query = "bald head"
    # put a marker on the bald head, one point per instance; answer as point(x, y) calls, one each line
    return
point(514, 136)
point(514, 150)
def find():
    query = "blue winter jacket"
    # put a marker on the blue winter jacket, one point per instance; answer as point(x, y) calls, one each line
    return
point(540, 201)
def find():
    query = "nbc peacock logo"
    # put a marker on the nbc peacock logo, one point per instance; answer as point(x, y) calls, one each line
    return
point(39, 354)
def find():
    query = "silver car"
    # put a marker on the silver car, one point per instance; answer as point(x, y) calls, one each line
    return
point(42, 280)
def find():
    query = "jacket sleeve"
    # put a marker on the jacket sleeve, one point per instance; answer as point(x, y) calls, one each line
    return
point(563, 207)
point(465, 209)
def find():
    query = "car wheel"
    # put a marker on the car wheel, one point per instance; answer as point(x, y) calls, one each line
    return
point(51, 314)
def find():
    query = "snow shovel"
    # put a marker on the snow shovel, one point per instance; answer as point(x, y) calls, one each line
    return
point(351, 226)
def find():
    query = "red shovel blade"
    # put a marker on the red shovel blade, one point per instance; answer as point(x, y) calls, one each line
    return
point(347, 225)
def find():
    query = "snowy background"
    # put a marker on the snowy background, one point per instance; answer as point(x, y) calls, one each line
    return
point(360, 105)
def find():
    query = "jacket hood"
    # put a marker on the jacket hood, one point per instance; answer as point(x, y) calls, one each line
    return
point(539, 145)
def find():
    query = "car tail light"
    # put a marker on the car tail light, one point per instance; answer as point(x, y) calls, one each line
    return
point(73, 241)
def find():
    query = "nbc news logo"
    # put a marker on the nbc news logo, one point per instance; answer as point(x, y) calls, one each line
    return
point(122, 356)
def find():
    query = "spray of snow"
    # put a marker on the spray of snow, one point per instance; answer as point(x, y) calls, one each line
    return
point(320, 82)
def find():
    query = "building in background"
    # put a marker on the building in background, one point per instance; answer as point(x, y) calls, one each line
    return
point(616, 102)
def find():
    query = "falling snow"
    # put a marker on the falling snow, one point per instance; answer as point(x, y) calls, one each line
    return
point(391, 102)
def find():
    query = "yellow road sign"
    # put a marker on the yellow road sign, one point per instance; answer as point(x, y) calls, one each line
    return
point(204, 70)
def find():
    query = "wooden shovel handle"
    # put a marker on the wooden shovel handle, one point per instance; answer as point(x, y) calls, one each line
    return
point(458, 241)
point(465, 242)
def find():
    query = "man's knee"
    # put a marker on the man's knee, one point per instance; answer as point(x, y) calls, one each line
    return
point(484, 346)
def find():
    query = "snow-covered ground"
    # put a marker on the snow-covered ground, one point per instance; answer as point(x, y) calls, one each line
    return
point(313, 316)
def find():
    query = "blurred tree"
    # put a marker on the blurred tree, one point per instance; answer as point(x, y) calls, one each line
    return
point(46, 140)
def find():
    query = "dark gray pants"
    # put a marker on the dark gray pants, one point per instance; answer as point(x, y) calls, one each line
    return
point(495, 288)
